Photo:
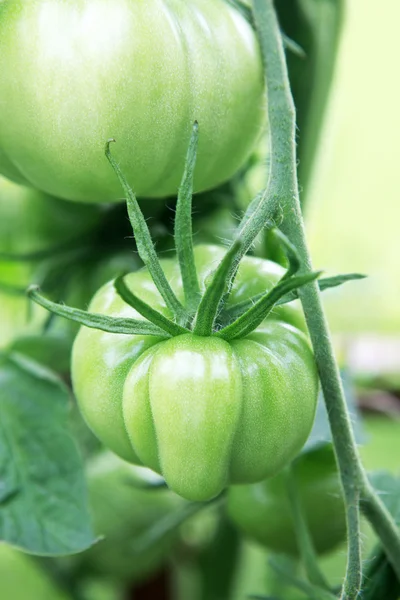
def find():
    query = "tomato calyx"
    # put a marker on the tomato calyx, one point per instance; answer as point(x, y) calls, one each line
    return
point(204, 314)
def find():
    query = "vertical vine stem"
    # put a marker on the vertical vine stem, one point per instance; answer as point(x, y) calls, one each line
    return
point(357, 490)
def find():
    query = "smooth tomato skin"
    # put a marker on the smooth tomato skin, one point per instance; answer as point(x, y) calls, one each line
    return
point(121, 386)
point(205, 413)
point(31, 221)
point(74, 74)
point(262, 510)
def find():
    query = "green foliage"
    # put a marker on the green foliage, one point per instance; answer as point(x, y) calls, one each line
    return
point(43, 498)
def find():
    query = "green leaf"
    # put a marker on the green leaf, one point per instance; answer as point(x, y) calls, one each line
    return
point(253, 317)
point(211, 301)
point(44, 505)
point(94, 320)
point(379, 579)
point(183, 227)
point(145, 244)
point(147, 311)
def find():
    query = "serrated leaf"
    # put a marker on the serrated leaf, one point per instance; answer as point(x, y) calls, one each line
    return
point(44, 505)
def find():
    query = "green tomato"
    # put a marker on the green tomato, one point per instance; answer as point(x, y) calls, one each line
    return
point(74, 74)
point(262, 511)
point(32, 222)
point(21, 578)
point(198, 410)
point(123, 510)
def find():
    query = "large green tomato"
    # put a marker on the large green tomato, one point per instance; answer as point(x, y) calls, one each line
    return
point(123, 510)
point(263, 511)
point(77, 72)
point(201, 411)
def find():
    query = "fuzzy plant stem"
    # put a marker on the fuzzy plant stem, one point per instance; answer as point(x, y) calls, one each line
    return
point(356, 488)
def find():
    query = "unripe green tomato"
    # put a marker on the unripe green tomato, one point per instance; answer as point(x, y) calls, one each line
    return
point(123, 510)
point(32, 222)
point(262, 511)
point(199, 410)
point(21, 578)
point(74, 74)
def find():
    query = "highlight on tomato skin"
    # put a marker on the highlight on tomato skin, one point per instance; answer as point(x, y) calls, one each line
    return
point(116, 69)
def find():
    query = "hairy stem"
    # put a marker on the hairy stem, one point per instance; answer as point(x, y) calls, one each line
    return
point(355, 484)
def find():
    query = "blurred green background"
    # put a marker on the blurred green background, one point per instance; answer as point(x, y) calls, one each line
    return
point(353, 215)
point(354, 204)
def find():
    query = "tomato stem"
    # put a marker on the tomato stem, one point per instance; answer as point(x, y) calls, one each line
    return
point(217, 289)
point(283, 178)
point(183, 227)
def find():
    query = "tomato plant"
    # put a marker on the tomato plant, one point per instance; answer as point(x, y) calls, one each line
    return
point(262, 511)
point(74, 74)
point(124, 507)
point(199, 410)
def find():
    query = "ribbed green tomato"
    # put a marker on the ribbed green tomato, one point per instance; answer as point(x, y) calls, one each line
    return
point(77, 72)
point(199, 410)
point(262, 511)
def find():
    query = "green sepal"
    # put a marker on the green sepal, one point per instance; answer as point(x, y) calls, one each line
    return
point(252, 318)
point(291, 253)
point(210, 304)
point(147, 311)
point(183, 227)
point(96, 321)
point(145, 244)
point(325, 284)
